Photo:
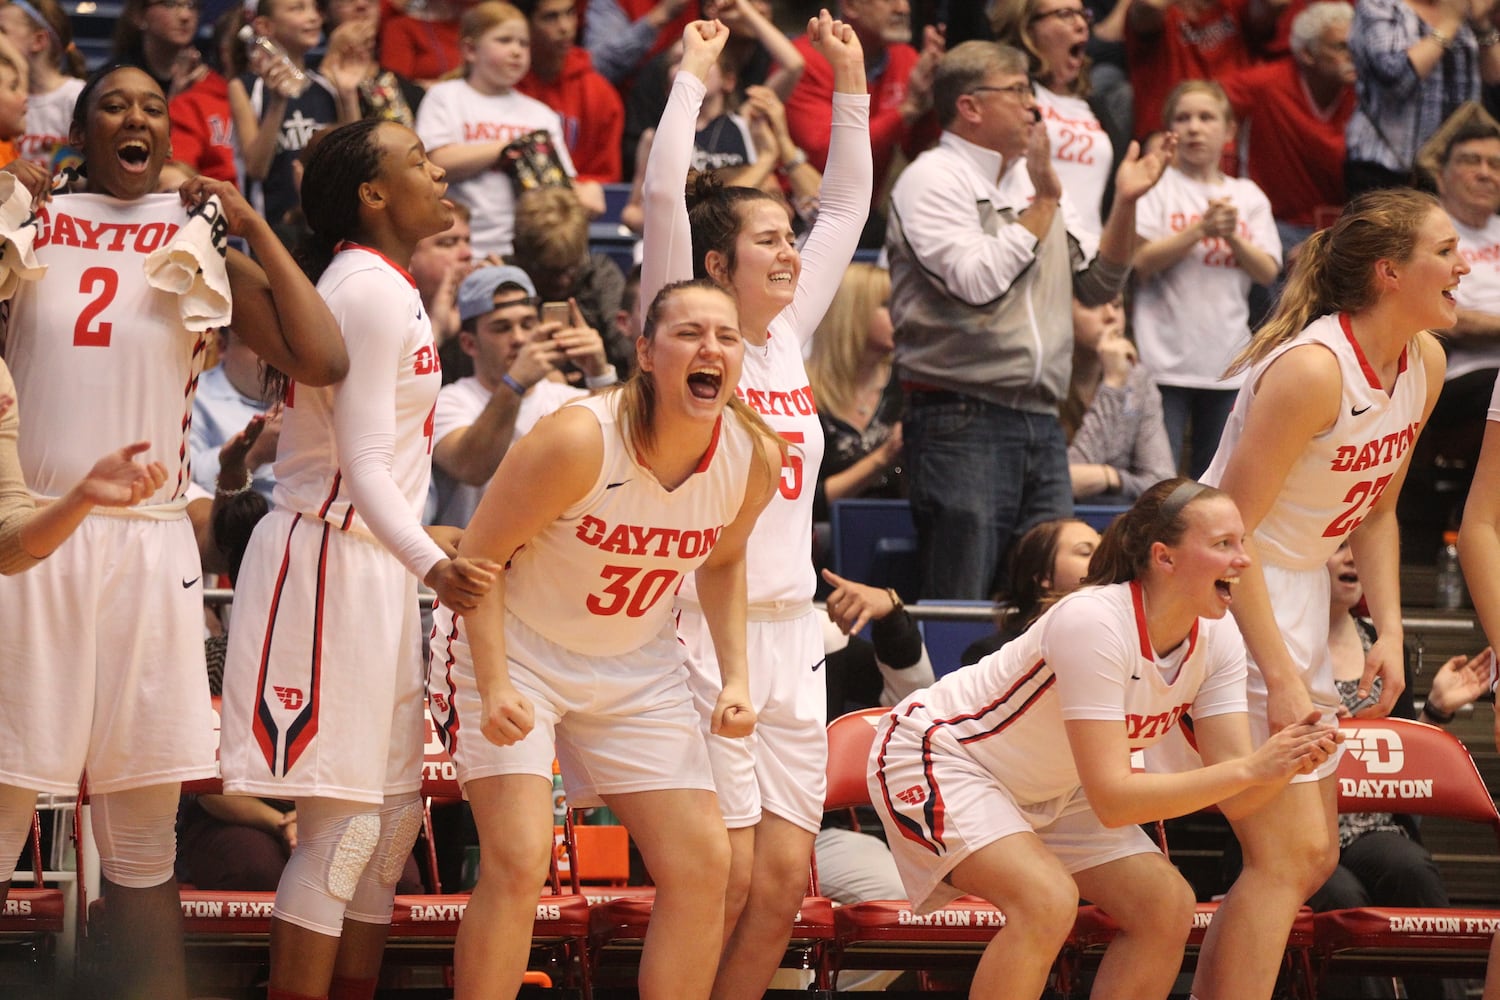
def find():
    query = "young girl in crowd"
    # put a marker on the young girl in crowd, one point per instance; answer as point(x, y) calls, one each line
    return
point(42, 33)
point(573, 653)
point(323, 679)
point(467, 122)
point(771, 786)
point(1208, 238)
point(272, 120)
point(101, 647)
point(1117, 443)
point(157, 36)
point(1336, 385)
point(1011, 779)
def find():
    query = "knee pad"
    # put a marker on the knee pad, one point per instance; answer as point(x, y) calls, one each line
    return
point(17, 805)
point(400, 822)
point(136, 831)
point(335, 841)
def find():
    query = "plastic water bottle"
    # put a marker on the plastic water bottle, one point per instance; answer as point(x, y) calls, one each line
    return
point(1449, 582)
point(559, 799)
point(297, 81)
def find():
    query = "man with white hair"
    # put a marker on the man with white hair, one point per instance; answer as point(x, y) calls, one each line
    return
point(1293, 113)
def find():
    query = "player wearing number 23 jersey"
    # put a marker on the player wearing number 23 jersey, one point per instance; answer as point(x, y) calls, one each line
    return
point(1334, 484)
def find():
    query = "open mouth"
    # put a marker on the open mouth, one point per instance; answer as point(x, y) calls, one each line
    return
point(781, 279)
point(704, 383)
point(1075, 51)
point(134, 155)
point(1448, 294)
point(1349, 578)
point(1225, 586)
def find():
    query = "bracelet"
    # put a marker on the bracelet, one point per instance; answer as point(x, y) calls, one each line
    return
point(610, 377)
point(1488, 39)
point(797, 159)
point(896, 604)
point(220, 491)
point(1442, 39)
point(515, 386)
point(1441, 718)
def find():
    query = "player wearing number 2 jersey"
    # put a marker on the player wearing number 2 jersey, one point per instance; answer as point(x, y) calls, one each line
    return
point(101, 648)
point(601, 510)
point(771, 785)
point(1339, 381)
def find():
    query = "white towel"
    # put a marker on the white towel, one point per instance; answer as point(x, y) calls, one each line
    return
point(18, 261)
point(192, 267)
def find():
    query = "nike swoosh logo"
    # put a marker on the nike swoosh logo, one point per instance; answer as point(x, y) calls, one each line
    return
point(188, 583)
point(610, 486)
point(819, 664)
point(1356, 412)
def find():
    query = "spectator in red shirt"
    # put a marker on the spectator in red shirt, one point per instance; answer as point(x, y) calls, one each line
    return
point(563, 77)
point(202, 127)
point(900, 83)
point(1169, 41)
point(422, 44)
point(1295, 111)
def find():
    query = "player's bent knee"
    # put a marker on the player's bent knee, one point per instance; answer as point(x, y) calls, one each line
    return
point(336, 843)
point(374, 897)
point(137, 836)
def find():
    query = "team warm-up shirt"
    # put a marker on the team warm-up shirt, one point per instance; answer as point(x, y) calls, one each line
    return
point(1089, 657)
point(359, 454)
point(1192, 318)
point(454, 113)
point(100, 358)
point(1343, 472)
point(774, 382)
point(600, 579)
point(1479, 290)
point(1082, 153)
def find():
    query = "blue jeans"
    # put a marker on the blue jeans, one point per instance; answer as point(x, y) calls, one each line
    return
point(980, 476)
point(1206, 410)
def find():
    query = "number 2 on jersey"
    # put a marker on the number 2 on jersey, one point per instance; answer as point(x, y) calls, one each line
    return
point(1361, 498)
point(102, 283)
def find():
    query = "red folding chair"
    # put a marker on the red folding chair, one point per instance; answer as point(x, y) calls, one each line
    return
point(886, 934)
point(1398, 766)
point(30, 923)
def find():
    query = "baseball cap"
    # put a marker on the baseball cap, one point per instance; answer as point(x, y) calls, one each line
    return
point(476, 295)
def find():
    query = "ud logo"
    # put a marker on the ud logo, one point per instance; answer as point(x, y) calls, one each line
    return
point(291, 698)
point(1379, 750)
point(913, 796)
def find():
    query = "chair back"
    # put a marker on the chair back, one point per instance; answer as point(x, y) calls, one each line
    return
point(1396, 765)
point(849, 739)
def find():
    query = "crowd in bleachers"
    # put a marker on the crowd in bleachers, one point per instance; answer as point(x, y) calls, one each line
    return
point(988, 258)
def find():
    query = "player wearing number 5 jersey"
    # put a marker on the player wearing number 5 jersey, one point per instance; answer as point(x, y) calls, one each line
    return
point(101, 647)
point(771, 785)
point(602, 510)
point(1338, 383)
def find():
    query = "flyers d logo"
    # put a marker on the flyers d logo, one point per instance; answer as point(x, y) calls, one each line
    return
point(913, 796)
point(1379, 750)
point(290, 698)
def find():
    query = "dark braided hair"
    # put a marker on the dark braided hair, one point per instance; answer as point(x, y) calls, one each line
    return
point(340, 160)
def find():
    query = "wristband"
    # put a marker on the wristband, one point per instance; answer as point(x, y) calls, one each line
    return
point(1441, 38)
point(796, 160)
point(896, 604)
point(220, 491)
point(1441, 718)
point(608, 378)
point(515, 386)
point(1488, 39)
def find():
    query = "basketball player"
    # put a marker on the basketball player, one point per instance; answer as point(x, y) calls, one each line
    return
point(101, 648)
point(1338, 382)
point(323, 678)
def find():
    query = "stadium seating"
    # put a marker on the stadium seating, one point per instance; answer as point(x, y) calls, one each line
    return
point(874, 542)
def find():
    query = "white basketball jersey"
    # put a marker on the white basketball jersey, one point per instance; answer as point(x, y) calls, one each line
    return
point(1344, 471)
point(774, 383)
point(359, 283)
point(100, 358)
point(600, 579)
point(1088, 657)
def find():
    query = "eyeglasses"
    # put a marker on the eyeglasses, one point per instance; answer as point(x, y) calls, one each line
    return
point(1020, 91)
point(1065, 14)
point(191, 5)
